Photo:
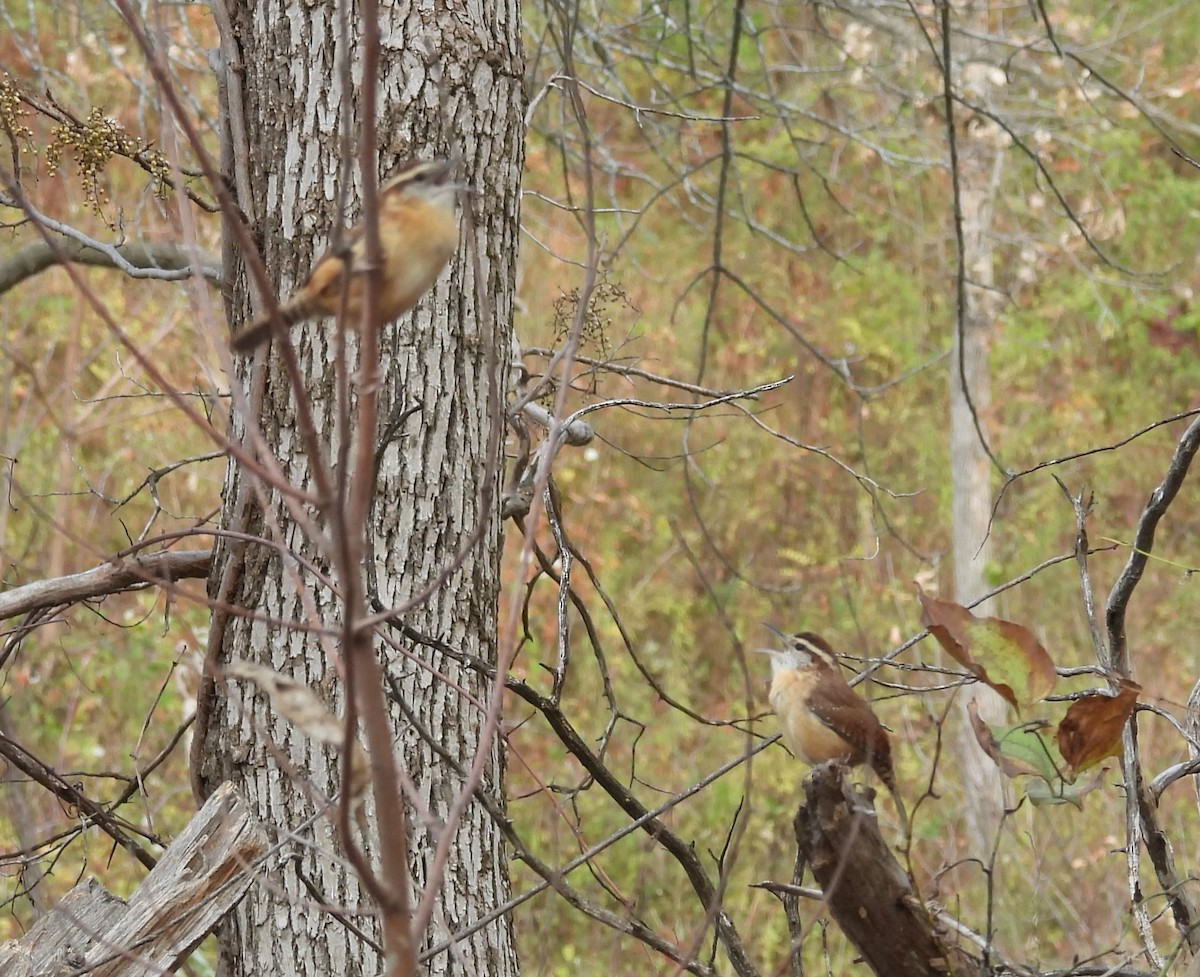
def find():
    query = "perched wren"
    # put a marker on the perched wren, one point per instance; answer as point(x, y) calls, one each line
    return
point(820, 716)
point(417, 234)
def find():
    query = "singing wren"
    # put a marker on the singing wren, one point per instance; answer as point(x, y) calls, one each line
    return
point(820, 716)
point(418, 233)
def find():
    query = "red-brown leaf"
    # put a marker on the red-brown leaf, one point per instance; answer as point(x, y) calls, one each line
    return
point(1091, 729)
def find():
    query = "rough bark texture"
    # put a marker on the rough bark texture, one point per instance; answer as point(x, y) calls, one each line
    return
point(450, 82)
point(867, 892)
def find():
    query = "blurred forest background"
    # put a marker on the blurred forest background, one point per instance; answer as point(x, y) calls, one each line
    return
point(772, 197)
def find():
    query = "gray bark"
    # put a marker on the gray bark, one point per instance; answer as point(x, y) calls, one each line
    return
point(204, 872)
point(969, 476)
point(981, 161)
point(450, 82)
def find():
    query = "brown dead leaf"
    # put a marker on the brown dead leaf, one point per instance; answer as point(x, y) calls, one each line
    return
point(983, 733)
point(297, 703)
point(1091, 729)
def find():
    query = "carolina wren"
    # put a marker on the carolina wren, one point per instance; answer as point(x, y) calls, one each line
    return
point(820, 716)
point(417, 233)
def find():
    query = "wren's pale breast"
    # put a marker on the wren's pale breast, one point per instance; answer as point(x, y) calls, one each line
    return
point(418, 237)
point(804, 733)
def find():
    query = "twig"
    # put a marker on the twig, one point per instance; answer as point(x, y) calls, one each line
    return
point(1143, 543)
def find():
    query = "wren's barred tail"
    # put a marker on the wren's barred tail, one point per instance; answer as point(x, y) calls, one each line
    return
point(418, 233)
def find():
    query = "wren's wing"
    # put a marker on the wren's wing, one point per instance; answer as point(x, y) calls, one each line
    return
point(842, 711)
point(325, 278)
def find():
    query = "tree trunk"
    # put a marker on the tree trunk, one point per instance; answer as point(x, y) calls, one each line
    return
point(980, 163)
point(450, 82)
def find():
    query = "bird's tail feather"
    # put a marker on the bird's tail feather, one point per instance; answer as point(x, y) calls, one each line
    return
point(258, 332)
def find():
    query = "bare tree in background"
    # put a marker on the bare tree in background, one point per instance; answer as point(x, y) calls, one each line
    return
point(979, 144)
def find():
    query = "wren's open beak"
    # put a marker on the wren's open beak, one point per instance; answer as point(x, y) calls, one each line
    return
point(775, 631)
point(771, 651)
